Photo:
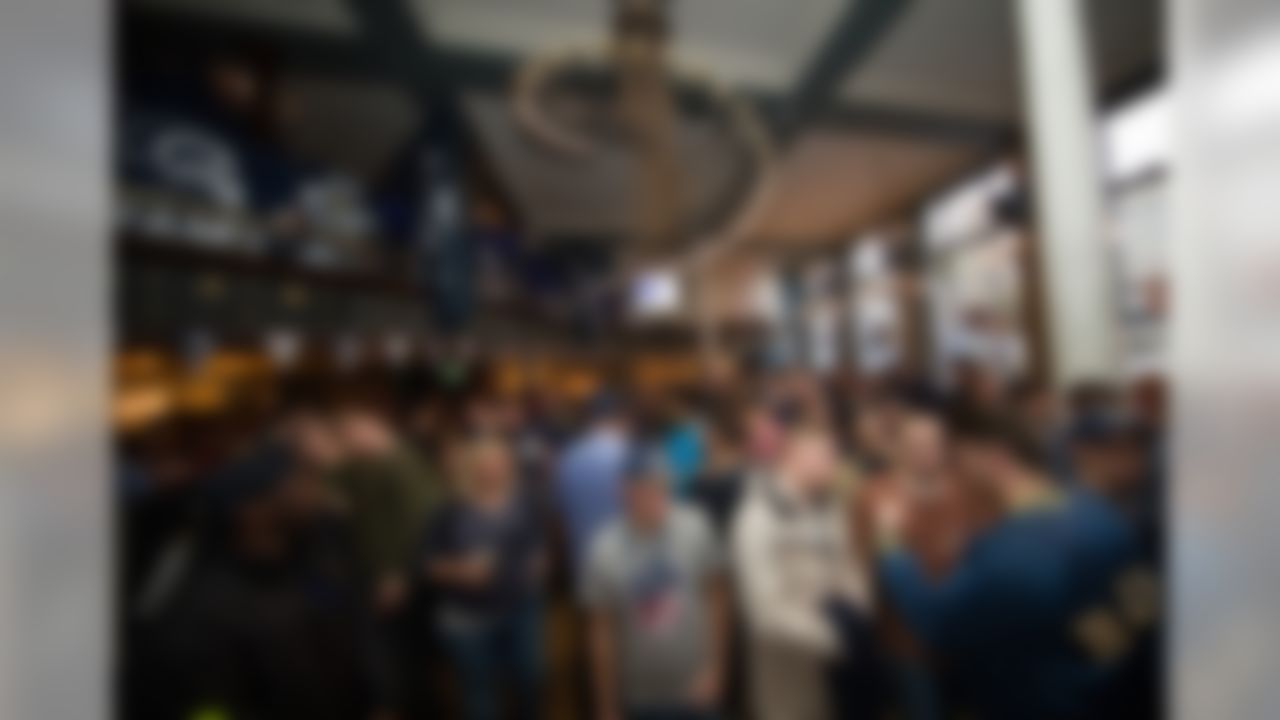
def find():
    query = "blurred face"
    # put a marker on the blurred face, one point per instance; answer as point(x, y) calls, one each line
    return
point(764, 436)
point(869, 431)
point(877, 430)
point(364, 434)
point(874, 431)
point(647, 502)
point(976, 462)
point(811, 464)
point(234, 83)
point(514, 416)
point(485, 416)
point(490, 474)
point(922, 443)
point(317, 442)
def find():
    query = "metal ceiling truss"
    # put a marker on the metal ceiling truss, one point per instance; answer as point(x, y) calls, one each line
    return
point(390, 46)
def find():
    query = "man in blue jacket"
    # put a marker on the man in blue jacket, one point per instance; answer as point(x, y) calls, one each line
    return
point(1037, 611)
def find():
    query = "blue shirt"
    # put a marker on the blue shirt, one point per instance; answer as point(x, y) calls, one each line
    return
point(589, 486)
point(683, 450)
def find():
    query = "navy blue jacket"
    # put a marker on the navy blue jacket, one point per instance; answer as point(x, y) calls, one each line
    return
point(1008, 619)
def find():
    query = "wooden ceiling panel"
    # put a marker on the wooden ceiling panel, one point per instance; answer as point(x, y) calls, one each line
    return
point(834, 186)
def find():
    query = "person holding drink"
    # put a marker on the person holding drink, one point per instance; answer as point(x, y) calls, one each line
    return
point(484, 557)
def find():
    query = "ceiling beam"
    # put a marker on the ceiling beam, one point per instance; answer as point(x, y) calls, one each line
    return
point(861, 27)
point(391, 45)
point(390, 32)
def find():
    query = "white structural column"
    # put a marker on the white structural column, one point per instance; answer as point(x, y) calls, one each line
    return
point(1080, 311)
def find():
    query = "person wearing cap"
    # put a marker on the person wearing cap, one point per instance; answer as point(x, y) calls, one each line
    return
point(653, 588)
point(1111, 462)
point(1036, 610)
point(1108, 457)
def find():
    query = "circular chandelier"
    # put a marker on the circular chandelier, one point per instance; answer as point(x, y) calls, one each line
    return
point(646, 109)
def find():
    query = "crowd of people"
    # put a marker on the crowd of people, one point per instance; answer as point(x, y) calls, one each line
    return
point(783, 547)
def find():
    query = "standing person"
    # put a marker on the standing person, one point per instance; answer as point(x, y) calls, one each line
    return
point(654, 591)
point(795, 562)
point(917, 472)
point(1038, 610)
point(1149, 408)
point(916, 469)
point(1042, 420)
point(587, 494)
point(484, 557)
point(589, 477)
point(270, 626)
point(718, 492)
point(1110, 463)
point(387, 492)
point(920, 462)
point(874, 433)
point(764, 435)
point(683, 443)
point(718, 488)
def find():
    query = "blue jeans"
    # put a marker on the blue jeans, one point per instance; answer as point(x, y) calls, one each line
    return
point(505, 653)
